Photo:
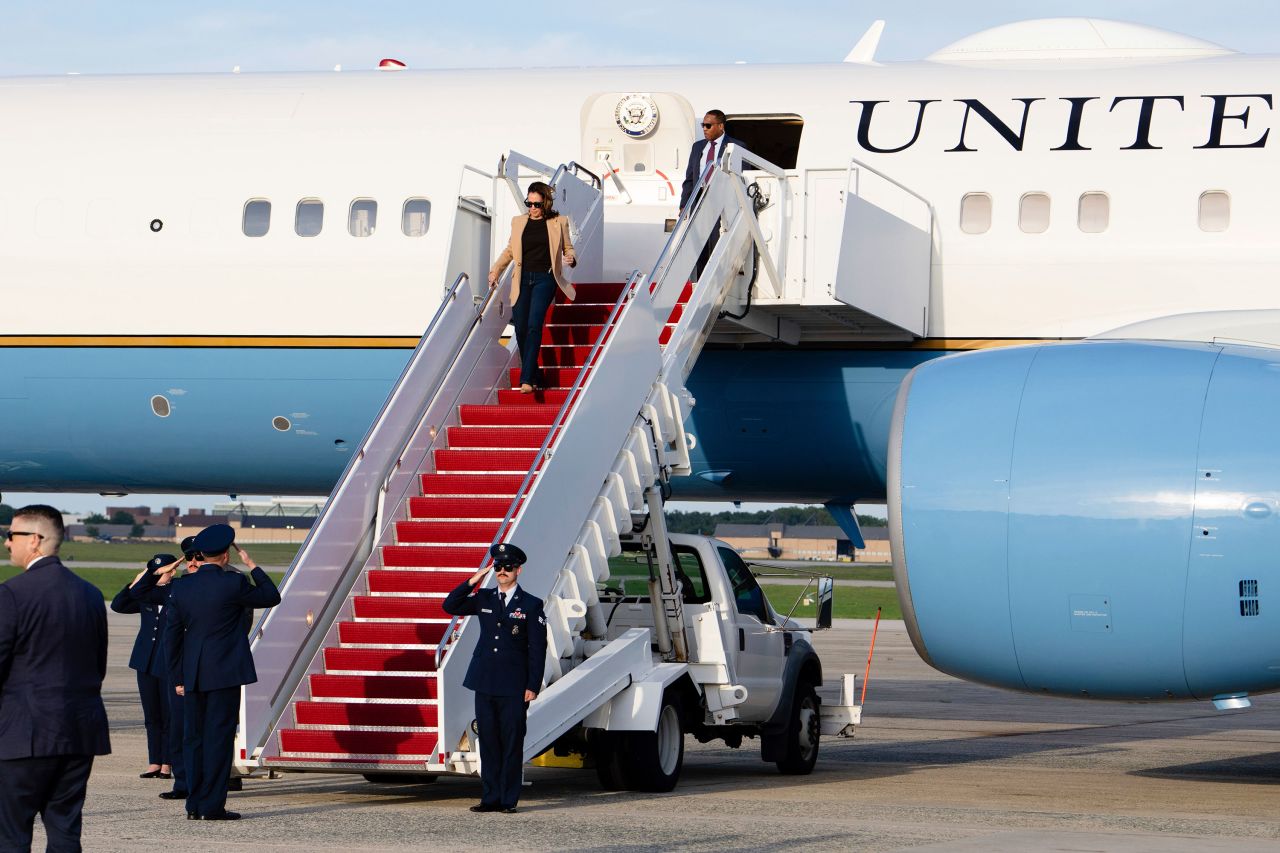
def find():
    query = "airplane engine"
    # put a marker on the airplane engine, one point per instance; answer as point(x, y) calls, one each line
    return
point(1096, 518)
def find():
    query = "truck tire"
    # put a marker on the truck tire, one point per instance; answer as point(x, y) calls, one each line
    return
point(400, 778)
point(653, 759)
point(607, 749)
point(803, 732)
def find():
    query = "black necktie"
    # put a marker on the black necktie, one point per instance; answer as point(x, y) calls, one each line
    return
point(502, 599)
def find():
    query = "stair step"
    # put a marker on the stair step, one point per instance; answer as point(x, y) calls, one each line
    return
point(390, 633)
point(552, 377)
point(515, 409)
point(363, 714)
point(505, 436)
point(485, 460)
point(459, 507)
point(390, 607)
point(400, 580)
point(373, 687)
point(564, 355)
point(665, 335)
point(686, 294)
point(399, 744)
point(552, 399)
point(471, 484)
point(555, 333)
point(447, 531)
point(594, 293)
point(572, 312)
point(676, 313)
point(379, 660)
point(431, 557)
point(345, 765)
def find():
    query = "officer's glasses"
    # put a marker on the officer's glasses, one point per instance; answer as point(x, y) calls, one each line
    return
point(504, 570)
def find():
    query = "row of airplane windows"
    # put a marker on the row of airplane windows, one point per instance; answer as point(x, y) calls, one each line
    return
point(1093, 212)
point(362, 217)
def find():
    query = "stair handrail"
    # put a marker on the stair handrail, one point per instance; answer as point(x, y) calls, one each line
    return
point(521, 499)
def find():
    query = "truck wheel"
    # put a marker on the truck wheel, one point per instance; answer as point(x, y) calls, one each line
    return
point(606, 747)
point(655, 758)
point(802, 734)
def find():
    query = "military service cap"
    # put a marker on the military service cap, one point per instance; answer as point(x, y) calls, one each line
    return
point(506, 554)
point(160, 560)
point(214, 539)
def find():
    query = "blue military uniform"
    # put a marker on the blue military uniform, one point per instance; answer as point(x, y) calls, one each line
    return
point(509, 659)
point(208, 654)
point(147, 660)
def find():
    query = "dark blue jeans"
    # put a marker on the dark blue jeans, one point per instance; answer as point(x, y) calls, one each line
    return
point(529, 315)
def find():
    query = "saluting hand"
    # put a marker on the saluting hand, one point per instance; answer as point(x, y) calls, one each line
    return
point(478, 576)
point(246, 559)
point(139, 576)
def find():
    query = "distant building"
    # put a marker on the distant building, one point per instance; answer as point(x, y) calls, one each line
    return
point(804, 542)
point(143, 515)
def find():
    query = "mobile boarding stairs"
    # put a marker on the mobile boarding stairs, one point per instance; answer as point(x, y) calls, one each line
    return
point(360, 669)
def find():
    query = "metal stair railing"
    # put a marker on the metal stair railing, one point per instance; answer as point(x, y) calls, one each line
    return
point(459, 359)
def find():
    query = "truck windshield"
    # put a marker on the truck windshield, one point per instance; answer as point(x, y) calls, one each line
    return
point(747, 594)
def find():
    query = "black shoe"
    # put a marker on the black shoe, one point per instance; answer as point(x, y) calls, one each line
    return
point(223, 815)
point(235, 784)
point(192, 816)
point(152, 774)
point(484, 807)
point(173, 795)
point(511, 810)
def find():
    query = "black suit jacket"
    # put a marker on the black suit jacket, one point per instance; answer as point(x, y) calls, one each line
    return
point(204, 637)
point(697, 162)
point(53, 657)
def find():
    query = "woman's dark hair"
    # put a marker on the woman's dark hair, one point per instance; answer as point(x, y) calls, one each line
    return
point(548, 196)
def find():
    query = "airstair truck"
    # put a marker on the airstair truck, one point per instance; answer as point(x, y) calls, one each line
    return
point(360, 670)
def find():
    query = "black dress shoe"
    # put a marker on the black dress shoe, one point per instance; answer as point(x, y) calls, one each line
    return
point(511, 810)
point(234, 784)
point(173, 795)
point(223, 815)
point(484, 807)
point(151, 774)
point(163, 775)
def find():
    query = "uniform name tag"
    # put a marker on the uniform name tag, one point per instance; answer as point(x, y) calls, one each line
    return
point(485, 610)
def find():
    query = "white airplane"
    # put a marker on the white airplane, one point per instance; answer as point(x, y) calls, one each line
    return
point(214, 280)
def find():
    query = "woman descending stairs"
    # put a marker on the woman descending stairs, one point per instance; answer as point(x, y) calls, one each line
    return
point(374, 704)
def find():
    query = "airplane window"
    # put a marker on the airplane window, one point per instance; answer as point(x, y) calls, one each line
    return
point(364, 217)
point(975, 213)
point(1033, 213)
point(1215, 211)
point(257, 217)
point(309, 218)
point(1095, 212)
point(416, 218)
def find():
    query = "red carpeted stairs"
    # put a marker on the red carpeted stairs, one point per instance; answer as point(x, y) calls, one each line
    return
point(374, 705)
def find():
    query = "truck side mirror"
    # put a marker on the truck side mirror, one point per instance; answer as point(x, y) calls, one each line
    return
point(826, 599)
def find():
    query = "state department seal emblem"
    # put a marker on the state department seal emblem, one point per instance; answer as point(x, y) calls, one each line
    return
point(636, 115)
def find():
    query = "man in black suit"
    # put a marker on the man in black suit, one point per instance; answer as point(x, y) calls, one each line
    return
point(505, 672)
point(209, 661)
point(702, 156)
point(53, 656)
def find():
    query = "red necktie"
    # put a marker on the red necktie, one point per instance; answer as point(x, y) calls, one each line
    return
point(711, 153)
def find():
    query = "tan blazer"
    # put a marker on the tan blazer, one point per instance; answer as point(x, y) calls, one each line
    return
point(559, 243)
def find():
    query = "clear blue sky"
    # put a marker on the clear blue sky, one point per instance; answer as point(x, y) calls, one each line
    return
point(95, 36)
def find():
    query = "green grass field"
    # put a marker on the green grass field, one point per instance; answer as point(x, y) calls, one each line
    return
point(140, 552)
point(851, 602)
point(110, 581)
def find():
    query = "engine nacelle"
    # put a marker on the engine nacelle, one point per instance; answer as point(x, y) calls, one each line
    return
point(1098, 518)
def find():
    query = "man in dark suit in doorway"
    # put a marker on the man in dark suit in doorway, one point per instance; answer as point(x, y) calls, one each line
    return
point(53, 657)
point(705, 153)
point(209, 661)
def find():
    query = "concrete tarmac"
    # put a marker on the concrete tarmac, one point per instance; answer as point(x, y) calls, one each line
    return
point(938, 765)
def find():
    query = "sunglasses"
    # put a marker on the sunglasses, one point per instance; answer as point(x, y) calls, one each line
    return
point(533, 204)
point(707, 126)
point(504, 570)
point(12, 533)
